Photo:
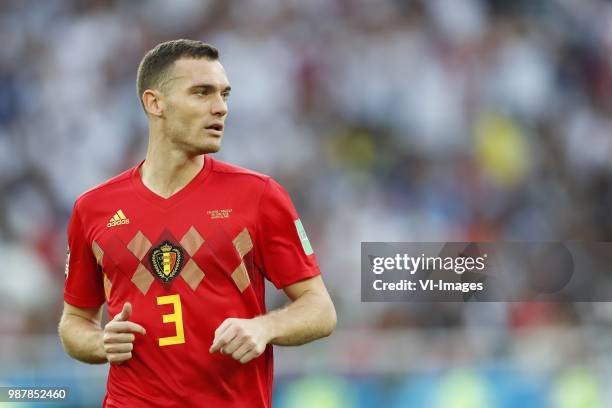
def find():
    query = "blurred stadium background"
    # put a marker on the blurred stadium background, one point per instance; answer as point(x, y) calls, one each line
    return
point(404, 120)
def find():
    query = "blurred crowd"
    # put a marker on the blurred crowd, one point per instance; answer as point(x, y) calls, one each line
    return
point(404, 120)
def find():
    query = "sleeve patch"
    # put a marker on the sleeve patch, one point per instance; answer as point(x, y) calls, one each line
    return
point(303, 237)
point(67, 269)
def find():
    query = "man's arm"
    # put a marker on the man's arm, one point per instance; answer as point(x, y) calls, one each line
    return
point(84, 339)
point(309, 316)
point(81, 333)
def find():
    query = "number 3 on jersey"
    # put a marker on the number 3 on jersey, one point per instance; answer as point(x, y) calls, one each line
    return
point(176, 317)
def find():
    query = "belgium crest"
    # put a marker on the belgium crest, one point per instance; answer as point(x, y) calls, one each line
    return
point(166, 260)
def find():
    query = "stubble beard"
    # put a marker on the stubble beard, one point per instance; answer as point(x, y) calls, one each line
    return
point(208, 146)
point(195, 144)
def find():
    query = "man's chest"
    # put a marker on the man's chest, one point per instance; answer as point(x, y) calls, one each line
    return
point(202, 248)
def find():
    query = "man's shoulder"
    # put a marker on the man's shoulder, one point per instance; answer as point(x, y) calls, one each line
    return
point(253, 183)
point(239, 174)
point(113, 185)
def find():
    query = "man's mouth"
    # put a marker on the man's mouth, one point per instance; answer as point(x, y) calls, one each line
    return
point(215, 126)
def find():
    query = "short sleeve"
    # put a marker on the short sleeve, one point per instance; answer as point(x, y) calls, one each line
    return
point(282, 244)
point(83, 286)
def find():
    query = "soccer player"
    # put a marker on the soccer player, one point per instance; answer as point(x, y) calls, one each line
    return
point(178, 248)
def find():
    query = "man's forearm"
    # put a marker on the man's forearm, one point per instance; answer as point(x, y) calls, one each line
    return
point(82, 339)
point(308, 318)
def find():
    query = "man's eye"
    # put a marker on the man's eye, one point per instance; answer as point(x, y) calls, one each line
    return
point(225, 95)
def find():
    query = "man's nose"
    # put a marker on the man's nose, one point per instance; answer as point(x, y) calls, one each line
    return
point(219, 107)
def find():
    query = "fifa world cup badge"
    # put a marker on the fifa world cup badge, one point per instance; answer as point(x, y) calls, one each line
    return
point(67, 263)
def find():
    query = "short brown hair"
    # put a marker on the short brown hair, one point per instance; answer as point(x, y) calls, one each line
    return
point(154, 66)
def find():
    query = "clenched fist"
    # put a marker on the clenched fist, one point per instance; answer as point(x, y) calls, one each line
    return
point(118, 337)
point(243, 339)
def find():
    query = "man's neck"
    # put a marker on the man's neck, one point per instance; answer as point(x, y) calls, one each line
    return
point(166, 171)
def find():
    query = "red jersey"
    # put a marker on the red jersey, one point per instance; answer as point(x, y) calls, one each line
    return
point(186, 263)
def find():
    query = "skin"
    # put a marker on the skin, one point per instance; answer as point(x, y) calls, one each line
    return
point(193, 97)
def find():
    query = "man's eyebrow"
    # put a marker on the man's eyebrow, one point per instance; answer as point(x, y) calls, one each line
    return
point(209, 87)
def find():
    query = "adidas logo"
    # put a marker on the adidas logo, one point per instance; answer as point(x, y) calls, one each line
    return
point(118, 219)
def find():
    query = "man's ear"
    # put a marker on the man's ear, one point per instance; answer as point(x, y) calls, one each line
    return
point(153, 102)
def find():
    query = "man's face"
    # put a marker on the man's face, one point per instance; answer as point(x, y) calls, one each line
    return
point(195, 105)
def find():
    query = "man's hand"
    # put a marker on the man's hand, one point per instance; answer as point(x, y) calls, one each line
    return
point(243, 339)
point(119, 335)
